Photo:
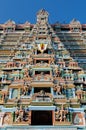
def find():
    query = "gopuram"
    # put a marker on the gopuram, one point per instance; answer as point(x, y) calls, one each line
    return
point(43, 74)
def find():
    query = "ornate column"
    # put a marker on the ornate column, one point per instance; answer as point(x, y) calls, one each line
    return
point(32, 91)
point(52, 91)
point(73, 90)
point(53, 117)
point(10, 95)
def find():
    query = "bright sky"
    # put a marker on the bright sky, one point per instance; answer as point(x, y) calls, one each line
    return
point(59, 10)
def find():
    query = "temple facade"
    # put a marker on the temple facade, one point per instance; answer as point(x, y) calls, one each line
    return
point(43, 75)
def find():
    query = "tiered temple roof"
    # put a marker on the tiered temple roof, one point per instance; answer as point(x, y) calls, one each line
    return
point(43, 73)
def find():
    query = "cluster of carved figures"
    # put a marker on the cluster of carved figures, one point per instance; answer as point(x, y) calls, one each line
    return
point(21, 115)
point(60, 115)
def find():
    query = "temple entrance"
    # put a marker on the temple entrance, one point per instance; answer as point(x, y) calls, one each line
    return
point(36, 89)
point(46, 52)
point(41, 118)
point(42, 72)
point(42, 61)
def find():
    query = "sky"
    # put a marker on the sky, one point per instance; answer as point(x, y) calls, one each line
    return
point(62, 11)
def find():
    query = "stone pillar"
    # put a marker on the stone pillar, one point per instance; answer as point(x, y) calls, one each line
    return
point(2, 78)
point(81, 85)
point(29, 117)
point(50, 73)
point(67, 93)
point(68, 116)
point(53, 118)
point(85, 79)
point(10, 95)
point(32, 91)
point(52, 91)
point(73, 89)
point(84, 95)
point(19, 93)
point(70, 119)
